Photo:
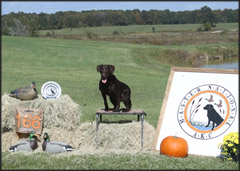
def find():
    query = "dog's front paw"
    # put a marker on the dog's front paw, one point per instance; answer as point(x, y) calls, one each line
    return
point(116, 110)
point(126, 110)
point(106, 109)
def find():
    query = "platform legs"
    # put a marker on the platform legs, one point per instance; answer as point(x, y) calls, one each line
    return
point(142, 118)
point(96, 138)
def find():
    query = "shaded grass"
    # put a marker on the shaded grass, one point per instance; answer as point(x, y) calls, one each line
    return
point(138, 161)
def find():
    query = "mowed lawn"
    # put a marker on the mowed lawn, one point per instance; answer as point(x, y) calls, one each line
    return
point(72, 64)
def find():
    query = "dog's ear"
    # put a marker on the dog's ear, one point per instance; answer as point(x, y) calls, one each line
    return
point(112, 68)
point(99, 68)
point(210, 107)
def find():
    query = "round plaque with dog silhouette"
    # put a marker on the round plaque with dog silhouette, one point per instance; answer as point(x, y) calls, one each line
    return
point(51, 90)
point(207, 111)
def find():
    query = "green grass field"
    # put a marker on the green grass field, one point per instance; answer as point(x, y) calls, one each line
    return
point(137, 29)
point(72, 64)
point(111, 161)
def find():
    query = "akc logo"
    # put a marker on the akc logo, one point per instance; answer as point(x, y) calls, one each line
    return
point(207, 111)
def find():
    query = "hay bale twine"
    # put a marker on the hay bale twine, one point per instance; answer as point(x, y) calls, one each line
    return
point(61, 112)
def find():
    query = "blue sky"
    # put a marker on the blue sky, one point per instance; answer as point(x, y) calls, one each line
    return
point(55, 6)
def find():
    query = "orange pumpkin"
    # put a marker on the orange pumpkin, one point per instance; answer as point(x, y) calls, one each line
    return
point(174, 146)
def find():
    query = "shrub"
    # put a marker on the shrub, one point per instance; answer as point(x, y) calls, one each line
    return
point(48, 34)
point(35, 33)
point(153, 29)
point(5, 32)
point(115, 33)
point(207, 26)
point(213, 25)
point(224, 32)
point(230, 147)
point(199, 29)
point(90, 35)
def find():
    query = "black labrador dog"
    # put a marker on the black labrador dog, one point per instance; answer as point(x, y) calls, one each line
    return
point(115, 89)
point(213, 116)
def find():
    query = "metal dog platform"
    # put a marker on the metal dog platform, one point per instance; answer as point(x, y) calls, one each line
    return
point(137, 112)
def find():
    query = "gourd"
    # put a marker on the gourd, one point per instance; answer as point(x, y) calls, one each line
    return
point(174, 146)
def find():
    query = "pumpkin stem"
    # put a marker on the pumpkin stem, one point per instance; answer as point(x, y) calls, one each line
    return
point(175, 136)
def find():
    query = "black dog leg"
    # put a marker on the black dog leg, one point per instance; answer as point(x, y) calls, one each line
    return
point(128, 105)
point(113, 101)
point(116, 109)
point(208, 123)
point(213, 126)
point(105, 101)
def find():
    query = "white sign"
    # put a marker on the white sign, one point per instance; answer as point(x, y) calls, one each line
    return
point(201, 106)
point(51, 90)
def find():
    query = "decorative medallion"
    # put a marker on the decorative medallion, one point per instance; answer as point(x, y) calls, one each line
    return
point(207, 111)
point(51, 90)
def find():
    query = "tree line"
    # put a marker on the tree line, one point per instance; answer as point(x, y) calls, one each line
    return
point(13, 22)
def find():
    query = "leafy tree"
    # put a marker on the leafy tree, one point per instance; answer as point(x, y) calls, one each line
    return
point(138, 18)
point(165, 17)
point(43, 21)
point(153, 15)
point(19, 29)
point(207, 15)
point(145, 17)
point(71, 19)
point(230, 15)
point(53, 23)
point(207, 26)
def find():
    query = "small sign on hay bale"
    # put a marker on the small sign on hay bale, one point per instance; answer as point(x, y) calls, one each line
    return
point(61, 112)
point(28, 120)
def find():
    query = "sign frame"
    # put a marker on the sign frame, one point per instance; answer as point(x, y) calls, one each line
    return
point(167, 92)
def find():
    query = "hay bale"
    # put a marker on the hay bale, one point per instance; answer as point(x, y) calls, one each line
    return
point(61, 112)
point(125, 136)
point(61, 121)
point(112, 138)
